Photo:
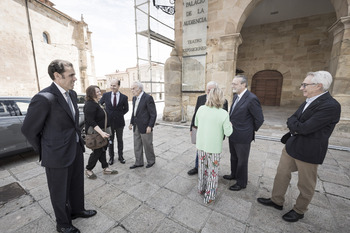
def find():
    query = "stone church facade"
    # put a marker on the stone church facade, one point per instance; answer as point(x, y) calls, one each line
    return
point(32, 34)
point(275, 56)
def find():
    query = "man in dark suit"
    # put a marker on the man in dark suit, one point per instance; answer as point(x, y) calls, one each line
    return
point(246, 117)
point(52, 128)
point(116, 106)
point(310, 128)
point(201, 101)
point(143, 118)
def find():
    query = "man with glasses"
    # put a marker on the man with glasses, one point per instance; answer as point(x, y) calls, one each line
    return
point(306, 144)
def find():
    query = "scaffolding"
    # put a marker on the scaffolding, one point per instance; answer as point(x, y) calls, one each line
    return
point(158, 40)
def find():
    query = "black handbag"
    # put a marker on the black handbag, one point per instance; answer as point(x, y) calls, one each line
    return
point(93, 140)
point(285, 137)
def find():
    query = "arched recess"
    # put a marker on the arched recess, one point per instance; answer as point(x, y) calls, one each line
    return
point(341, 7)
point(267, 86)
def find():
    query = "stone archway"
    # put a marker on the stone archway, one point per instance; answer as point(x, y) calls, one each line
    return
point(267, 86)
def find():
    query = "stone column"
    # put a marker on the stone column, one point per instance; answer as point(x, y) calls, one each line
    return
point(221, 61)
point(340, 69)
point(172, 88)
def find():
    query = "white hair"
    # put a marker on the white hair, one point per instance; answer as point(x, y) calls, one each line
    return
point(212, 83)
point(322, 77)
point(139, 85)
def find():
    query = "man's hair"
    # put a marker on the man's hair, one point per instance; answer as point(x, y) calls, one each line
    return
point(117, 80)
point(322, 77)
point(58, 66)
point(244, 79)
point(139, 85)
point(215, 98)
point(212, 83)
point(91, 92)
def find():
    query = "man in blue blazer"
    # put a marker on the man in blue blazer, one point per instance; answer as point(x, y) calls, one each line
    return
point(246, 117)
point(143, 118)
point(310, 128)
point(117, 106)
point(52, 128)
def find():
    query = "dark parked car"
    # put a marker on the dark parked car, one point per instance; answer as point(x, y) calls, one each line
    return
point(12, 113)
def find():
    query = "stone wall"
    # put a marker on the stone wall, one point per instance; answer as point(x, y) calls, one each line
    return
point(292, 47)
point(68, 40)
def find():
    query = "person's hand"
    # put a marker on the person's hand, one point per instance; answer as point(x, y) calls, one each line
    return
point(148, 130)
point(105, 135)
point(130, 126)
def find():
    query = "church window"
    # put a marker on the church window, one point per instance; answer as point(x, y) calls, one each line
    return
point(46, 38)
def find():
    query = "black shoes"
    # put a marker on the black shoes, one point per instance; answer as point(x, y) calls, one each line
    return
point(193, 171)
point(121, 159)
point(111, 161)
point(84, 214)
point(268, 202)
point(236, 187)
point(70, 229)
point(149, 165)
point(135, 166)
point(292, 216)
point(228, 177)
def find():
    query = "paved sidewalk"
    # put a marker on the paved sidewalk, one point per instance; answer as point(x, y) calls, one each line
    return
point(165, 199)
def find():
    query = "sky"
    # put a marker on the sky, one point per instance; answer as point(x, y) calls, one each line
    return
point(112, 23)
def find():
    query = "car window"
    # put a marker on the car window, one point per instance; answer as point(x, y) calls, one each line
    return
point(3, 109)
point(81, 99)
point(23, 106)
point(10, 108)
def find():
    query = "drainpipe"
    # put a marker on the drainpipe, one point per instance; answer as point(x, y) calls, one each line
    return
point(32, 42)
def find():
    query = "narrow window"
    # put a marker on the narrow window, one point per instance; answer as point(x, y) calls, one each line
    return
point(46, 38)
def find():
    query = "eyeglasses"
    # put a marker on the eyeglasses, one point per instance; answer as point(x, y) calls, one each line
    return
point(307, 84)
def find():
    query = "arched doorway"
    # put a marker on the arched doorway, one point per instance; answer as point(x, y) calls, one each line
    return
point(267, 86)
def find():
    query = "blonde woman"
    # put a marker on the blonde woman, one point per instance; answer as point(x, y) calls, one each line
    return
point(213, 123)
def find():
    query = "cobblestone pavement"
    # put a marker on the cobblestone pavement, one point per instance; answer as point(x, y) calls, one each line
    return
point(165, 199)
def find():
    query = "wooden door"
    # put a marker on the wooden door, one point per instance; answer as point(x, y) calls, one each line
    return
point(267, 86)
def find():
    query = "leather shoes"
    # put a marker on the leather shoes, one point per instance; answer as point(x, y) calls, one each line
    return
point(149, 165)
point(292, 216)
point(228, 177)
point(193, 171)
point(70, 229)
point(84, 214)
point(121, 159)
point(268, 202)
point(236, 187)
point(111, 161)
point(135, 166)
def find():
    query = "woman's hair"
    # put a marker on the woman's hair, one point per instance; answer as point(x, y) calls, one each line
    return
point(215, 98)
point(91, 92)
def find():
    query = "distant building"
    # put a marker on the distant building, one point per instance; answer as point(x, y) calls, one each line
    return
point(130, 75)
point(32, 34)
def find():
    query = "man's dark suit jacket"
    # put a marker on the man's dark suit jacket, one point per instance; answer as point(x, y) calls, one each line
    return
point(115, 114)
point(246, 118)
point(201, 101)
point(146, 113)
point(312, 128)
point(50, 128)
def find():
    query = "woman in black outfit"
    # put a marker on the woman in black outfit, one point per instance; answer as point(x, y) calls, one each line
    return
point(95, 117)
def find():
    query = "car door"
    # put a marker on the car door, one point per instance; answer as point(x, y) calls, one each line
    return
point(11, 137)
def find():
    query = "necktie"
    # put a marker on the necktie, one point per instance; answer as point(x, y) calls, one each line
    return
point(115, 100)
point(136, 105)
point(70, 104)
point(234, 104)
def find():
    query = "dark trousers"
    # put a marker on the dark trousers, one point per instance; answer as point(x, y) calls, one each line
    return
point(119, 133)
point(66, 187)
point(97, 155)
point(239, 162)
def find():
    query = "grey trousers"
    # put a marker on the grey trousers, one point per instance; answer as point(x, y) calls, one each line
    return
point(143, 141)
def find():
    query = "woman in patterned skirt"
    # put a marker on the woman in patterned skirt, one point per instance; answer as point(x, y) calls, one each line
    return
point(213, 123)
